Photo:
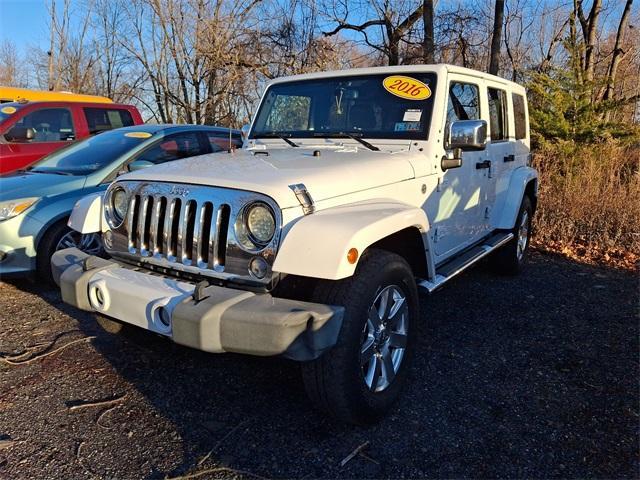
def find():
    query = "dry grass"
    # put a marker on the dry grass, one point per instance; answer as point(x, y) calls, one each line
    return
point(589, 201)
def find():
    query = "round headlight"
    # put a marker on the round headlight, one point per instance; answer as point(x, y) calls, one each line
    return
point(261, 223)
point(119, 204)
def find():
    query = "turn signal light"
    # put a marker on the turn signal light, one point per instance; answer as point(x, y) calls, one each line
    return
point(352, 256)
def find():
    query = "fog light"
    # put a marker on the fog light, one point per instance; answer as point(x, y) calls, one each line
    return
point(163, 315)
point(258, 267)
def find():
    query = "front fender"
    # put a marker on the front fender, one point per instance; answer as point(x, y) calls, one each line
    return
point(317, 245)
point(520, 178)
point(86, 216)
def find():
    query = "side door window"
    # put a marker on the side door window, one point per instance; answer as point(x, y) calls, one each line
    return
point(102, 119)
point(173, 147)
point(219, 141)
point(47, 125)
point(463, 103)
point(498, 122)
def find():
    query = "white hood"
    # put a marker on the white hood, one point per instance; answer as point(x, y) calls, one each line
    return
point(333, 173)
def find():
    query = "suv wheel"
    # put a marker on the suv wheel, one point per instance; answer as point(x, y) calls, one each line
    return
point(510, 258)
point(59, 237)
point(360, 378)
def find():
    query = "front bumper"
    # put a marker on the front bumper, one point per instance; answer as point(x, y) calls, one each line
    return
point(223, 320)
point(18, 245)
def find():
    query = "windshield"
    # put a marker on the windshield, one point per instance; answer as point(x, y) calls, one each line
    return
point(90, 155)
point(8, 109)
point(369, 106)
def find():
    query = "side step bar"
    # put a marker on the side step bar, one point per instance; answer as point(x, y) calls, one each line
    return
point(461, 262)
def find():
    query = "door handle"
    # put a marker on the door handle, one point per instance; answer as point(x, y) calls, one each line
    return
point(510, 158)
point(485, 164)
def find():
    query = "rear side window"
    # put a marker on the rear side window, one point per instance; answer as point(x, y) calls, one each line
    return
point(48, 125)
point(498, 114)
point(173, 147)
point(219, 141)
point(520, 116)
point(102, 119)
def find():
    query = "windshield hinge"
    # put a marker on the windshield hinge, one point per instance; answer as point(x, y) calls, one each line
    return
point(303, 196)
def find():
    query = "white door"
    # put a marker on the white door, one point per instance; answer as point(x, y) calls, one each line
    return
point(500, 147)
point(457, 208)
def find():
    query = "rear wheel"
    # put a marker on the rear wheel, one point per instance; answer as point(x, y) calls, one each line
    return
point(361, 377)
point(510, 259)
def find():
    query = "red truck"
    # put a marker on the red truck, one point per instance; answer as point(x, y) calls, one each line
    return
point(31, 130)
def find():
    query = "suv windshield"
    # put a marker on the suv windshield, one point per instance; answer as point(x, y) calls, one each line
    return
point(90, 155)
point(370, 106)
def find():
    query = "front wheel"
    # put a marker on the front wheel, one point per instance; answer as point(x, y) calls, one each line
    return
point(361, 377)
point(59, 237)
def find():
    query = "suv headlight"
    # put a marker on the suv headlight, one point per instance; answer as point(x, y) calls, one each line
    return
point(117, 205)
point(261, 223)
point(12, 208)
point(256, 226)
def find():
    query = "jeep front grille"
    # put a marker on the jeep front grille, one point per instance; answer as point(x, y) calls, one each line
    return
point(188, 228)
point(180, 230)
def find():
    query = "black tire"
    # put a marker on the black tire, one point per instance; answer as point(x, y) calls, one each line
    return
point(47, 247)
point(335, 382)
point(507, 260)
point(114, 327)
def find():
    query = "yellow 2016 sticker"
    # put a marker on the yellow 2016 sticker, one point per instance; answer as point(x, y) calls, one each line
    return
point(8, 110)
point(137, 134)
point(406, 87)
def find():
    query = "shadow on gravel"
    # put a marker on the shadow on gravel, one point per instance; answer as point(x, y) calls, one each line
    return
point(531, 376)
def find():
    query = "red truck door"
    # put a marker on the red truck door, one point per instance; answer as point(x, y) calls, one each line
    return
point(47, 128)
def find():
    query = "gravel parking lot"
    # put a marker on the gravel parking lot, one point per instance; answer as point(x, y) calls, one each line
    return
point(535, 376)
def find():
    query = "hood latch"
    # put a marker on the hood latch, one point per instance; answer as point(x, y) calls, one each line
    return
point(303, 196)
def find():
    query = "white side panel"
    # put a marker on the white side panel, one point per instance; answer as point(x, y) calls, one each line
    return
point(317, 245)
point(506, 218)
point(86, 216)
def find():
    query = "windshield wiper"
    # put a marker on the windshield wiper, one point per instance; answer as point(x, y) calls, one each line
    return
point(277, 135)
point(348, 135)
point(53, 172)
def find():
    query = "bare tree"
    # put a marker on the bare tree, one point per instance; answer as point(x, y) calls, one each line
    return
point(395, 20)
point(618, 53)
point(12, 71)
point(496, 38)
point(427, 19)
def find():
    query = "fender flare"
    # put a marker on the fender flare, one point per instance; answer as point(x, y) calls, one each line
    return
point(86, 216)
point(316, 245)
point(520, 178)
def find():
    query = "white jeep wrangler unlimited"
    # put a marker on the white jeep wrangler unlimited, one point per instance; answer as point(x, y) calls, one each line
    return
point(354, 189)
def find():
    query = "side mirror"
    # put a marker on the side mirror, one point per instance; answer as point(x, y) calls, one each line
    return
point(139, 165)
point(245, 132)
point(20, 134)
point(468, 135)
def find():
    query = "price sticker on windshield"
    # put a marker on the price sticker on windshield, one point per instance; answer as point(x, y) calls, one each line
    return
point(137, 134)
point(406, 87)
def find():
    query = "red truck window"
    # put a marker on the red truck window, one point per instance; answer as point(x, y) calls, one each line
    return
point(48, 125)
point(102, 119)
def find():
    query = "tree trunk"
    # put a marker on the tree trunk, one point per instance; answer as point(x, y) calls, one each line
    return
point(496, 38)
point(617, 55)
point(427, 16)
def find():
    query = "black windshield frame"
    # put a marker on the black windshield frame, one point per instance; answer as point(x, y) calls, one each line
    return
point(380, 100)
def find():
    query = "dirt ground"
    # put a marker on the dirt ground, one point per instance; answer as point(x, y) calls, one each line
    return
point(534, 376)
